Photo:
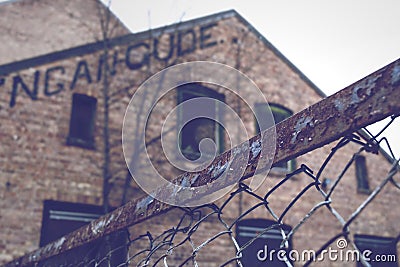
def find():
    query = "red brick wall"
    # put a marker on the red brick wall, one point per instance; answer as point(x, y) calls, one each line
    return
point(37, 27)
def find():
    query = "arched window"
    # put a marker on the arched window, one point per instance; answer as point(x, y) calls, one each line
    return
point(279, 113)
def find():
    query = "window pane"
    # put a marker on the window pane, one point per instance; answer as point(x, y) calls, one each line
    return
point(81, 127)
point(254, 255)
point(199, 128)
point(61, 218)
point(193, 132)
point(362, 174)
point(279, 113)
point(379, 246)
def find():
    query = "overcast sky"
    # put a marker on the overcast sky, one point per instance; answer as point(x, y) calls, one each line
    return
point(334, 43)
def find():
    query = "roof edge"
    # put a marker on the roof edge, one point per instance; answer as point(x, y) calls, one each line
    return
point(80, 50)
point(281, 56)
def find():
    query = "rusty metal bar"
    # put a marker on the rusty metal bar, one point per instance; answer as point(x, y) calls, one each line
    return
point(369, 100)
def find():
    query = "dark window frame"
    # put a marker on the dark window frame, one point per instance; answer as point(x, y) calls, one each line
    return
point(59, 211)
point(291, 164)
point(77, 136)
point(61, 218)
point(248, 228)
point(378, 245)
point(360, 163)
point(199, 90)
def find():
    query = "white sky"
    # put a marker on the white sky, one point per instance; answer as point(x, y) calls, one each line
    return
point(334, 43)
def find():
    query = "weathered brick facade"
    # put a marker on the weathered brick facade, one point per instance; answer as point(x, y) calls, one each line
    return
point(35, 109)
point(33, 28)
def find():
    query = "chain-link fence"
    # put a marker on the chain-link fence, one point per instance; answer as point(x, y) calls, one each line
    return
point(316, 214)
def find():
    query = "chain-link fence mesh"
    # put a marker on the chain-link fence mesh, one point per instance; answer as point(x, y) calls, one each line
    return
point(206, 236)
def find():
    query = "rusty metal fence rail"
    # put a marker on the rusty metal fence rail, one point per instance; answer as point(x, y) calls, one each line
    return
point(146, 232)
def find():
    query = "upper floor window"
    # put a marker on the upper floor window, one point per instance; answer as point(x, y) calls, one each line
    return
point(81, 126)
point(279, 114)
point(192, 131)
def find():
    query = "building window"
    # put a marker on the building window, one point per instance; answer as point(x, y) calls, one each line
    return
point(193, 131)
point(361, 174)
point(279, 114)
point(256, 254)
point(81, 126)
point(60, 218)
point(382, 248)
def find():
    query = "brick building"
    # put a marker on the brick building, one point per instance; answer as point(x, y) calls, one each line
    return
point(54, 122)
